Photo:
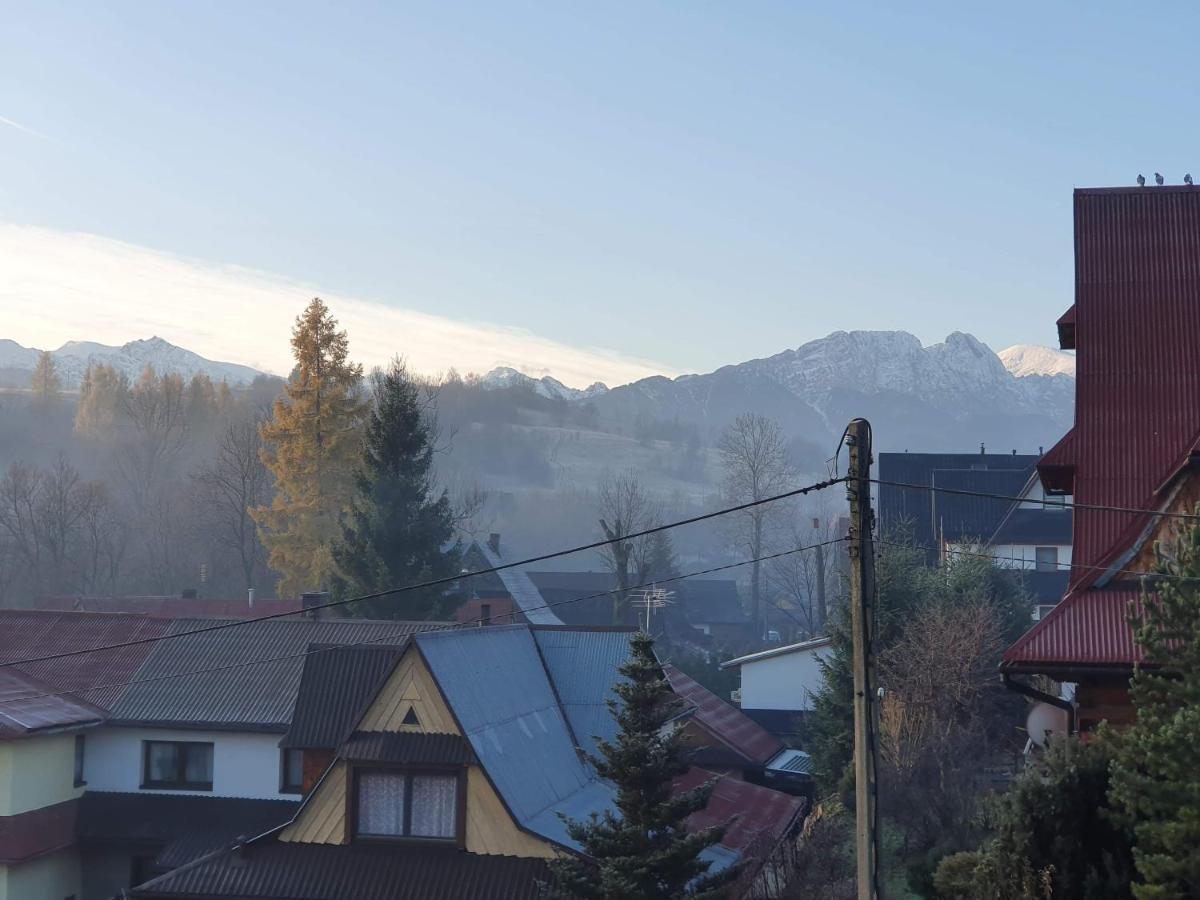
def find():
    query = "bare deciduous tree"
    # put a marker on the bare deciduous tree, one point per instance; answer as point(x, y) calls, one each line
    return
point(756, 466)
point(230, 486)
point(625, 508)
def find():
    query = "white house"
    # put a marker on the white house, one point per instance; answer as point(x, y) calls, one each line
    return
point(782, 678)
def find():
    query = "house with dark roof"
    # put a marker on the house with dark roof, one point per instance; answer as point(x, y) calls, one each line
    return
point(448, 771)
point(1134, 450)
point(47, 719)
point(973, 502)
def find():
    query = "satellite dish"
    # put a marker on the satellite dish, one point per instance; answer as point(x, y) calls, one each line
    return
point(1045, 721)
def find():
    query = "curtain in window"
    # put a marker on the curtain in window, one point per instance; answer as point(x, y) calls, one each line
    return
point(163, 762)
point(380, 803)
point(434, 805)
point(199, 767)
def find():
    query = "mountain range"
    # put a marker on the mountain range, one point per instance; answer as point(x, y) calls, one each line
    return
point(952, 395)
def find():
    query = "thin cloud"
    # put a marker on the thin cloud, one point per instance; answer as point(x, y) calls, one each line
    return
point(25, 128)
point(61, 286)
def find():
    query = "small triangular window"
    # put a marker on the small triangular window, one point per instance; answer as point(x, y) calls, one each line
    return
point(410, 717)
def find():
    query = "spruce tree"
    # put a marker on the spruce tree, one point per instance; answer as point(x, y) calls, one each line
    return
point(399, 525)
point(644, 851)
point(1155, 777)
point(47, 386)
point(310, 445)
point(661, 562)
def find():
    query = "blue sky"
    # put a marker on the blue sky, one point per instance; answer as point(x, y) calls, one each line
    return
point(678, 185)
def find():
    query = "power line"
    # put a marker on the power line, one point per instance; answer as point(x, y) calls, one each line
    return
point(87, 689)
point(438, 582)
point(1087, 506)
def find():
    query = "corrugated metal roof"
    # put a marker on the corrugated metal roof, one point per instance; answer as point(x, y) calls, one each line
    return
point(157, 819)
point(958, 518)
point(583, 667)
point(22, 714)
point(758, 817)
point(724, 722)
point(1089, 628)
point(25, 633)
point(254, 697)
point(521, 589)
point(407, 747)
point(801, 647)
point(171, 607)
point(1137, 391)
point(273, 870)
point(494, 680)
point(335, 689)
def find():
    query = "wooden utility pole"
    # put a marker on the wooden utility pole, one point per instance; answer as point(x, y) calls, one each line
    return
point(822, 615)
point(862, 624)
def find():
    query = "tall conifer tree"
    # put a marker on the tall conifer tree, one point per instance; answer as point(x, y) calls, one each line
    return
point(1156, 777)
point(310, 446)
point(399, 527)
point(47, 386)
point(643, 852)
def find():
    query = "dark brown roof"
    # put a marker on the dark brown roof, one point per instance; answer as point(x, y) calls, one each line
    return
point(334, 691)
point(407, 747)
point(271, 870)
point(23, 712)
point(725, 723)
point(171, 607)
point(37, 832)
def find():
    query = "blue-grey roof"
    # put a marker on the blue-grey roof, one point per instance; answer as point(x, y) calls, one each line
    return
point(583, 668)
point(521, 589)
point(515, 725)
point(230, 687)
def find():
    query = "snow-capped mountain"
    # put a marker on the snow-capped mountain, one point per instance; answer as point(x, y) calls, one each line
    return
point(546, 386)
point(72, 359)
point(1031, 359)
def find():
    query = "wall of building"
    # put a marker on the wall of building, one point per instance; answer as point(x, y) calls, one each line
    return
point(37, 772)
point(789, 681)
point(52, 877)
point(245, 764)
point(1024, 556)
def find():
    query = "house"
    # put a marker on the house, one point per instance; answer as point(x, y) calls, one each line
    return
point(1132, 453)
point(45, 736)
point(171, 607)
point(447, 772)
point(510, 588)
point(778, 686)
point(972, 513)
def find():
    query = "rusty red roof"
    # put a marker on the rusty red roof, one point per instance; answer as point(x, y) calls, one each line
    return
point(173, 606)
point(24, 713)
point(1137, 389)
point(726, 723)
point(25, 633)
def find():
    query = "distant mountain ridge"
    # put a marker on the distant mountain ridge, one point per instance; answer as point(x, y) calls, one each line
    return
point(72, 359)
point(1031, 359)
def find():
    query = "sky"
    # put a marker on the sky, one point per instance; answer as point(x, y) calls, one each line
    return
point(595, 191)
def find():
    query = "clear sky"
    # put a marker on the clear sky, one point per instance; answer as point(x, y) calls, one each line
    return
point(667, 186)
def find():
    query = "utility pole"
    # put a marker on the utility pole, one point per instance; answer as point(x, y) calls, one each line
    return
point(862, 624)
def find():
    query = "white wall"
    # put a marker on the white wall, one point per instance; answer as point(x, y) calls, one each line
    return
point(788, 681)
point(245, 764)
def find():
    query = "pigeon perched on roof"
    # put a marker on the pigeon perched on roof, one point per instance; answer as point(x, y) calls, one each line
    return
point(1158, 179)
point(1141, 180)
point(1187, 179)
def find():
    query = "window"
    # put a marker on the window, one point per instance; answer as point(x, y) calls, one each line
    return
point(80, 743)
point(1045, 559)
point(291, 771)
point(485, 614)
point(180, 765)
point(408, 805)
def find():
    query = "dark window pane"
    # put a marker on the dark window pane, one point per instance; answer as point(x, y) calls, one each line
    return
point(162, 762)
point(199, 764)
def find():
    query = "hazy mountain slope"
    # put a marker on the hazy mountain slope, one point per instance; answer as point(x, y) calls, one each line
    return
point(72, 358)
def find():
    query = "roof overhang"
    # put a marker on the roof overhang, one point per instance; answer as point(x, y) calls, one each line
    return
point(814, 644)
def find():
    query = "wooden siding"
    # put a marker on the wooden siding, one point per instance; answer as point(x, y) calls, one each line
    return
point(490, 830)
point(410, 686)
point(322, 820)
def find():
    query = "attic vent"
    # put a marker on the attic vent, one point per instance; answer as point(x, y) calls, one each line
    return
point(410, 717)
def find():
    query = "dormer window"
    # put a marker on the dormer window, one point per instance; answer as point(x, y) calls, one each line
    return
point(418, 805)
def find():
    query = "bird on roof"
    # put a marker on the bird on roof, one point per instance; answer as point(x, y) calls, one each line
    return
point(1141, 180)
point(1187, 179)
point(1158, 179)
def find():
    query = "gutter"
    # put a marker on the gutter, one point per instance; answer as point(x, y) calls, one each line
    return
point(1033, 693)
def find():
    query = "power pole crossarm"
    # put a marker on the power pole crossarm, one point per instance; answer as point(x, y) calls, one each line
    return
point(862, 625)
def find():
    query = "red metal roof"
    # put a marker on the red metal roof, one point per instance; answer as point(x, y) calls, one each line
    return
point(726, 723)
point(1088, 629)
point(171, 606)
point(25, 633)
point(1137, 392)
point(22, 715)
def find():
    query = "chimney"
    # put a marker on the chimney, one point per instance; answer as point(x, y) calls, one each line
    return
point(250, 597)
point(981, 450)
point(494, 542)
point(309, 602)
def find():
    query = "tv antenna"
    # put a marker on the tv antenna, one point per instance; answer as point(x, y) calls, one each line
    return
point(649, 599)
